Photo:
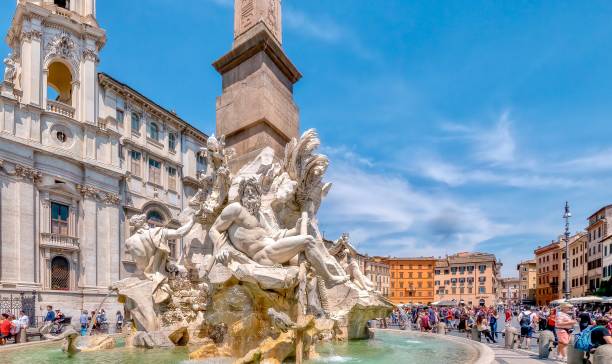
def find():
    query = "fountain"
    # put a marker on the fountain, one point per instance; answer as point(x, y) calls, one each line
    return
point(257, 282)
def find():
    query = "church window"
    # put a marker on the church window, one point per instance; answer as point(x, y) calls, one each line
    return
point(60, 274)
point(153, 131)
point(172, 141)
point(172, 178)
point(154, 171)
point(154, 218)
point(135, 165)
point(62, 3)
point(59, 219)
point(59, 83)
point(135, 123)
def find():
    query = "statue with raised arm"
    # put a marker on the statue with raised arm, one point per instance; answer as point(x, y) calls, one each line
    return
point(344, 253)
point(149, 246)
point(244, 226)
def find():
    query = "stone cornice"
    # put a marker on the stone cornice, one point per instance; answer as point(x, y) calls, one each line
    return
point(92, 192)
point(262, 41)
point(61, 153)
point(148, 106)
point(21, 171)
point(49, 15)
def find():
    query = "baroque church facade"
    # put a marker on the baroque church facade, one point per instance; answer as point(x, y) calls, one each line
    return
point(80, 153)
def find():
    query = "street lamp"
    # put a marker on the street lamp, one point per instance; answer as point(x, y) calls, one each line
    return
point(567, 216)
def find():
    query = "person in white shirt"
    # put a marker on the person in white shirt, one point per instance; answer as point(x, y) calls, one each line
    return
point(24, 323)
point(15, 328)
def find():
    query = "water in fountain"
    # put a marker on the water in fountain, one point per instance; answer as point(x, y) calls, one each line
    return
point(93, 319)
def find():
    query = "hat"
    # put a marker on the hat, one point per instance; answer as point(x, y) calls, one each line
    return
point(566, 305)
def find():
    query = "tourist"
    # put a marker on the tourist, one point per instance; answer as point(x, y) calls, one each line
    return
point(5, 328)
point(59, 316)
point(563, 324)
point(508, 315)
point(24, 323)
point(119, 324)
point(493, 316)
point(483, 328)
point(600, 334)
point(15, 328)
point(84, 321)
point(526, 318)
point(425, 322)
point(50, 317)
point(551, 322)
point(584, 320)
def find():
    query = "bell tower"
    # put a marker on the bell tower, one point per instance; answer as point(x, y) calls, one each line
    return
point(54, 56)
point(256, 107)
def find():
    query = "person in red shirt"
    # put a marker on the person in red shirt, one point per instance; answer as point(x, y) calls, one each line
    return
point(5, 328)
point(508, 315)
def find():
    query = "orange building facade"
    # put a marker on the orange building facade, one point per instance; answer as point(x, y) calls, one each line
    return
point(548, 267)
point(411, 280)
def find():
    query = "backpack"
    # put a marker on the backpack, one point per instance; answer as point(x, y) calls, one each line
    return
point(583, 340)
point(525, 320)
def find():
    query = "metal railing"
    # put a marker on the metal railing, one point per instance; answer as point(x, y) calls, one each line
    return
point(60, 108)
point(59, 241)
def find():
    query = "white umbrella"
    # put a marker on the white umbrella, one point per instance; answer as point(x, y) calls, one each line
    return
point(587, 299)
point(557, 302)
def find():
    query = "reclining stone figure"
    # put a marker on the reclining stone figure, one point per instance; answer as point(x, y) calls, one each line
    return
point(244, 226)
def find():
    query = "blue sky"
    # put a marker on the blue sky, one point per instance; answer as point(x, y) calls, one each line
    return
point(451, 125)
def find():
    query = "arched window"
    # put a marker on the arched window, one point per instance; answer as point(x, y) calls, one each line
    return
point(60, 274)
point(62, 3)
point(153, 131)
point(59, 83)
point(154, 218)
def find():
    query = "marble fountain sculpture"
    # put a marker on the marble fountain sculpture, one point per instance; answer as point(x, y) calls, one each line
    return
point(256, 282)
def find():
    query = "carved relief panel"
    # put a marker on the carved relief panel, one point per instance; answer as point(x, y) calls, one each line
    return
point(249, 12)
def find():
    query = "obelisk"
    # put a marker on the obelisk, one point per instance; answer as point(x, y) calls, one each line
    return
point(256, 107)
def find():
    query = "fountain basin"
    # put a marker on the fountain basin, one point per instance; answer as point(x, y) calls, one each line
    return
point(388, 346)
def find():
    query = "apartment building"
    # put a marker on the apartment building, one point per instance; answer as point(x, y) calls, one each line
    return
point(470, 278)
point(527, 272)
point(411, 279)
point(548, 261)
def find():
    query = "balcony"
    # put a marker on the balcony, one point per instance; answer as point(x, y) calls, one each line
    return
point(60, 108)
point(59, 242)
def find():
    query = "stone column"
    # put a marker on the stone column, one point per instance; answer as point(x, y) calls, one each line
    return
point(89, 240)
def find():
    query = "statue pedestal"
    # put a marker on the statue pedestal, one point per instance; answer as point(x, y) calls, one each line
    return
point(7, 89)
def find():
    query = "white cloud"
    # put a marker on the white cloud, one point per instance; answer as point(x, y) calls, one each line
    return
point(321, 29)
point(494, 144)
point(597, 161)
point(497, 145)
point(386, 215)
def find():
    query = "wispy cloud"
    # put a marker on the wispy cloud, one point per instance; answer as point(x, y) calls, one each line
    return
point(322, 29)
point(387, 215)
point(494, 144)
point(600, 160)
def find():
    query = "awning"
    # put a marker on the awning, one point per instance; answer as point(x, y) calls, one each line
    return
point(587, 299)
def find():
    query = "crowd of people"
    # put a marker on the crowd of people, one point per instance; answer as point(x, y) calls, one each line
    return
point(562, 321)
point(13, 329)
